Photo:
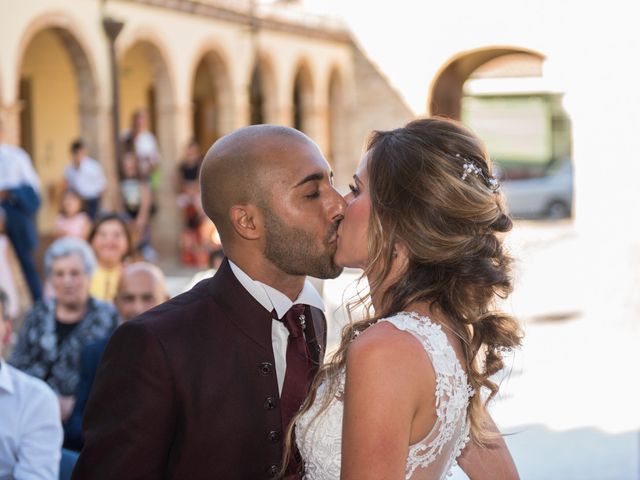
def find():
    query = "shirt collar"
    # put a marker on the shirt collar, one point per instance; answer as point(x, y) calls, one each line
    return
point(272, 299)
point(6, 383)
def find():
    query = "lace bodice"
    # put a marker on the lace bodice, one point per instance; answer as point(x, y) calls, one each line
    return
point(319, 438)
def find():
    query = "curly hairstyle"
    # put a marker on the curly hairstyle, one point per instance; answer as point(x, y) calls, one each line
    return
point(452, 228)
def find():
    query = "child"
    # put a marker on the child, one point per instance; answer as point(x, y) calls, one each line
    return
point(71, 220)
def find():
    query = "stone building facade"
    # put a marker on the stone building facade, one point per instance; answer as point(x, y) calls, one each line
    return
point(201, 68)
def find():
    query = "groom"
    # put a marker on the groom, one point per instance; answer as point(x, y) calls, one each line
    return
point(203, 385)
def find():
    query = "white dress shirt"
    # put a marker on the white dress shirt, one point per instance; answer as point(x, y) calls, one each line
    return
point(16, 168)
point(30, 427)
point(272, 299)
point(88, 179)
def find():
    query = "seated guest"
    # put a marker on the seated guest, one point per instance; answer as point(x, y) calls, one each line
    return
point(141, 287)
point(55, 331)
point(30, 429)
point(111, 244)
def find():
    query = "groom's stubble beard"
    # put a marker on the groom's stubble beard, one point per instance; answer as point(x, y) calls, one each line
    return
point(295, 252)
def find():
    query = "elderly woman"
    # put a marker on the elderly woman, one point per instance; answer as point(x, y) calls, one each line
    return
point(55, 331)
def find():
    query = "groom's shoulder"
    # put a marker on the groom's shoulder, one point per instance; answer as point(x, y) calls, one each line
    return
point(184, 308)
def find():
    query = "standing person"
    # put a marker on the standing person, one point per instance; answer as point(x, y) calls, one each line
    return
point(30, 430)
point(189, 170)
point(135, 198)
point(141, 287)
point(144, 142)
point(405, 388)
point(201, 386)
point(20, 199)
point(85, 176)
point(145, 146)
point(55, 331)
point(194, 243)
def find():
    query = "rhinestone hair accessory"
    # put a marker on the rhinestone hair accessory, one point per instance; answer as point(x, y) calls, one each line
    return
point(470, 168)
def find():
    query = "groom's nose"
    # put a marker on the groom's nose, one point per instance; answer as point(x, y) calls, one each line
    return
point(338, 205)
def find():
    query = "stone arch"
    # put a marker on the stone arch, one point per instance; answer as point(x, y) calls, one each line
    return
point(302, 100)
point(212, 97)
point(147, 81)
point(43, 123)
point(445, 93)
point(263, 92)
point(509, 105)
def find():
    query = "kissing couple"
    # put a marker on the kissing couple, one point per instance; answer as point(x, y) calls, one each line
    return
point(229, 381)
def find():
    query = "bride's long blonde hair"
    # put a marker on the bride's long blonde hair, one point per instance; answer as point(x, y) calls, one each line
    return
point(452, 228)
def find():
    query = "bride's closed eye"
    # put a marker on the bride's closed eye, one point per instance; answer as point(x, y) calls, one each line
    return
point(354, 190)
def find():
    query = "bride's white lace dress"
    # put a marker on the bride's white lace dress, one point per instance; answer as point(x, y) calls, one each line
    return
point(319, 438)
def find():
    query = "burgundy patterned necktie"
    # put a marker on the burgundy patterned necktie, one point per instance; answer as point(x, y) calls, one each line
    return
point(299, 372)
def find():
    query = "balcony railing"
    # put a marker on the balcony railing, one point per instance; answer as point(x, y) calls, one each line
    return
point(270, 14)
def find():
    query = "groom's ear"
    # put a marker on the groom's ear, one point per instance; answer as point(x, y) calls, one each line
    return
point(247, 221)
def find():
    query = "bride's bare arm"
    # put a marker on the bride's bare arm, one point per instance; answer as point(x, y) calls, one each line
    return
point(491, 462)
point(382, 392)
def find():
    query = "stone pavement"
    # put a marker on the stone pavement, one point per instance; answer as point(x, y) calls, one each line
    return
point(569, 401)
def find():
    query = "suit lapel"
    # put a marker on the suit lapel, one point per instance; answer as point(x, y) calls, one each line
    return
point(240, 307)
point(254, 320)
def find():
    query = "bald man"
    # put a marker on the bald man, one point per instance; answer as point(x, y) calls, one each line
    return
point(203, 386)
point(141, 287)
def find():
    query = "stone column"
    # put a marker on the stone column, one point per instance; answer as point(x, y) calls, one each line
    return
point(10, 116)
point(174, 130)
point(98, 135)
point(318, 126)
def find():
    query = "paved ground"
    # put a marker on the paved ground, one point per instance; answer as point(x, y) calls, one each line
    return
point(569, 401)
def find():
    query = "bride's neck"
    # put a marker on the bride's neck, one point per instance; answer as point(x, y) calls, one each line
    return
point(378, 294)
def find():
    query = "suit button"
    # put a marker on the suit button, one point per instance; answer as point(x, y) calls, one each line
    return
point(273, 470)
point(269, 403)
point(265, 368)
point(273, 436)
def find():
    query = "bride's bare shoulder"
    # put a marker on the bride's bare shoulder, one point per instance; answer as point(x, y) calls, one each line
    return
point(385, 344)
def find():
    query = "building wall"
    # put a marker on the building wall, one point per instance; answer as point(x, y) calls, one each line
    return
point(62, 46)
point(50, 75)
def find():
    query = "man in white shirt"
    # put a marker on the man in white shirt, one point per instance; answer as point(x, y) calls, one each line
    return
point(20, 199)
point(85, 176)
point(30, 426)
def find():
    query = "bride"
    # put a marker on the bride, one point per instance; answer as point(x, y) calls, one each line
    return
point(404, 396)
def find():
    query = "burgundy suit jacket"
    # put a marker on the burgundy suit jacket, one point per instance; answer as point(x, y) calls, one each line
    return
point(188, 390)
